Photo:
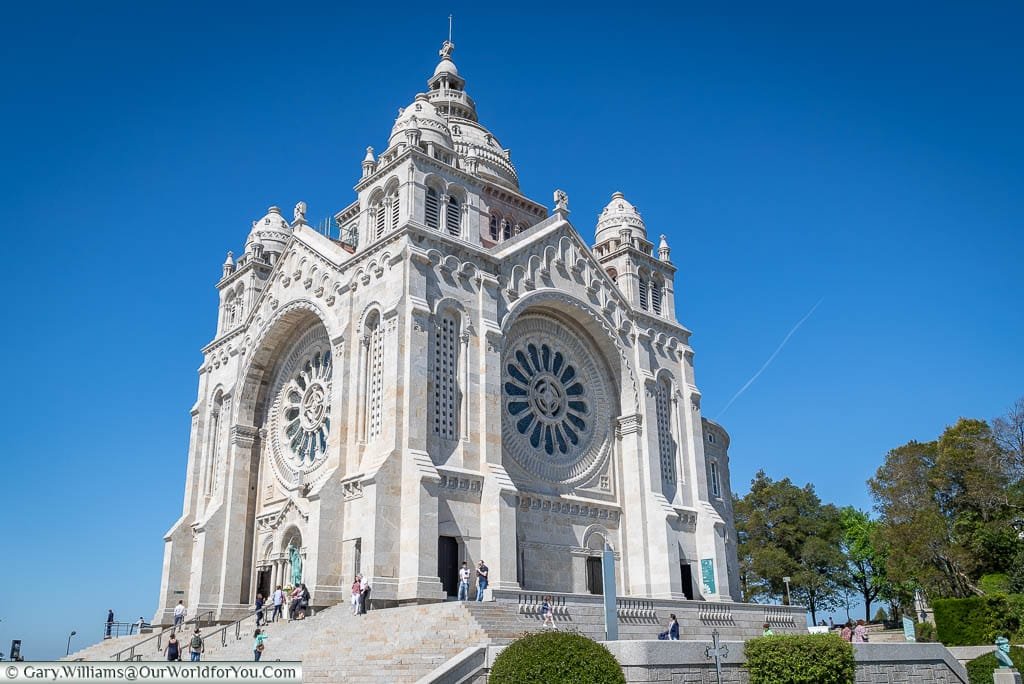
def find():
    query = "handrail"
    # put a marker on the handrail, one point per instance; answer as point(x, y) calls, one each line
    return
point(237, 624)
point(197, 621)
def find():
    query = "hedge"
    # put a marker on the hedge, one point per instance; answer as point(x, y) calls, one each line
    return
point(555, 657)
point(978, 620)
point(800, 659)
point(979, 670)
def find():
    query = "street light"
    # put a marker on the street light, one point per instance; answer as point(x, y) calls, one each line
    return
point(786, 580)
point(73, 633)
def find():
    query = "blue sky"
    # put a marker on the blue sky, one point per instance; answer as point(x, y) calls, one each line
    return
point(868, 156)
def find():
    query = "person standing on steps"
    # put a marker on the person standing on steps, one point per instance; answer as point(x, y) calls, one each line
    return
point(303, 602)
point(259, 608)
point(547, 611)
point(481, 580)
point(278, 598)
point(173, 649)
point(464, 581)
point(294, 601)
point(179, 615)
point(195, 647)
point(357, 589)
point(257, 647)
point(364, 595)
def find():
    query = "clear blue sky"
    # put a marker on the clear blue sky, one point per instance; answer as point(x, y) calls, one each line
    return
point(870, 155)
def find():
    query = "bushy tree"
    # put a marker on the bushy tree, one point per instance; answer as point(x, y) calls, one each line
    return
point(865, 560)
point(785, 530)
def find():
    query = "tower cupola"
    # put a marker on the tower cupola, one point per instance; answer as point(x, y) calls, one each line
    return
point(619, 214)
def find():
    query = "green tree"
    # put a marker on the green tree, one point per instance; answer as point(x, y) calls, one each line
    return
point(946, 508)
point(785, 530)
point(865, 561)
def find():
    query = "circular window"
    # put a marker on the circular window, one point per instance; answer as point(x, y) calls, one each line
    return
point(300, 417)
point(557, 413)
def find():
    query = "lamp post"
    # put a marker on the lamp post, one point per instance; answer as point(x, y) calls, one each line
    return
point(73, 633)
point(786, 581)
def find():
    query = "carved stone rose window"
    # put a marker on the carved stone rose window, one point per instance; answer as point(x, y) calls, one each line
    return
point(556, 416)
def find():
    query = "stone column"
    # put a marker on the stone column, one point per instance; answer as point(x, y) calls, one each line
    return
point(239, 499)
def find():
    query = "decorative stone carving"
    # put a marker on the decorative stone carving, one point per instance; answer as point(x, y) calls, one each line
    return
point(557, 413)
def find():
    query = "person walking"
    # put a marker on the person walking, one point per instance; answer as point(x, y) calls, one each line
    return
point(179, 615)
point(767, 630)
point(257, 646)
point(860, 633)
point(110, 622)
point(464, 576)
point(278, 599)
point(846, 633)
point(481, 580)
point(173, 649)
point(547, 611)
point(356, 592)
point(259, 609)
point(196, 647)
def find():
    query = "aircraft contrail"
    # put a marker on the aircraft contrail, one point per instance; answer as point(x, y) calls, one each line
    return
point(770, 358)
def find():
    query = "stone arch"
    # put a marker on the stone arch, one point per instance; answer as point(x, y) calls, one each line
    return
point(595, 537)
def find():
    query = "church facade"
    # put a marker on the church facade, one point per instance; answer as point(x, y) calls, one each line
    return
point(457, 376)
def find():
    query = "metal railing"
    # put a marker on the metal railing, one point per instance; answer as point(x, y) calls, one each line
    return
point(236, 625)
point(159, 636)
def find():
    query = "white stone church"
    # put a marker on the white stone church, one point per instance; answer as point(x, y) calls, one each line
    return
point(457, 376)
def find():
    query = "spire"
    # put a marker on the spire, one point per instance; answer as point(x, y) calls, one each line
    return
point(663, 250)
point(229, 264)
point(369, 165)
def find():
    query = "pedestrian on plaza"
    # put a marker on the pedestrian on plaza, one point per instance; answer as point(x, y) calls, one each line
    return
point(356, 593)
point(464, 576)
point(294, 601)
point(110, 622)
point(860, 633)
point(547, 611)
point(173, 649)
point(481, 580)
point(196, 647)
point(847, 631)
point(278, 599)
point(257, 647)
point(831, 624)
point(304, 602)
point(364, 595)
point(179, 615)
point(767, 630)
point(260, 602)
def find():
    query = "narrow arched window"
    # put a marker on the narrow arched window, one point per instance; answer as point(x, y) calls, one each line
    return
point(446, 378)
point(380, 216)
point(666, 443)
point(374, 376)
point(213, 443)
point(643, 293)
point(495, 235)
point(453, 217)
point(506, 230)
point(394, 209)
point(432, 209)
point(656, 296)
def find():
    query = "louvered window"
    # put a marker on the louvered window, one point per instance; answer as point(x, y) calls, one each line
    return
point(379, 217)
point(433, 209)
point(394, 211)
point(643, 294)
point(446, 355)
point(453, 217)
point(666, 444)
point(656, 297)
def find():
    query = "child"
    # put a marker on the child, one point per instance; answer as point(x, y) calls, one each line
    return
point(547, 611)
point(257, 647)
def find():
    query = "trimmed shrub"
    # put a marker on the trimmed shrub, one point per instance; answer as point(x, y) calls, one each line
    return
point(979, 670)
point(555, 657)
point(800, 659)
point(978, 620)
point(924, 632)
point(880, 616)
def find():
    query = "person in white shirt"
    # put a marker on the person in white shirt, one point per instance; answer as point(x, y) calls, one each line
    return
point(278, 597)
point(179, 615)
point(464, 576)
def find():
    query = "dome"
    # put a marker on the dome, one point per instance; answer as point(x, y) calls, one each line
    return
point(619, 213)
point(472, 139)
point(422, 115)
point(272, 230)
point(445, 66)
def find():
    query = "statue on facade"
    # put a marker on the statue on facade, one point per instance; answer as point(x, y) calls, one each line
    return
point(1003, 652)
point(296, 561)
point(299, 214)
point(447, 47)
point(561, 200)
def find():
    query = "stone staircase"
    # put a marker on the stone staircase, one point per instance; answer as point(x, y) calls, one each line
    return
point(105, 649)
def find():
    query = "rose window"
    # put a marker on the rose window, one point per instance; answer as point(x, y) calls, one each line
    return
point(546, 398)
point(556, 402)
point(306, 407)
